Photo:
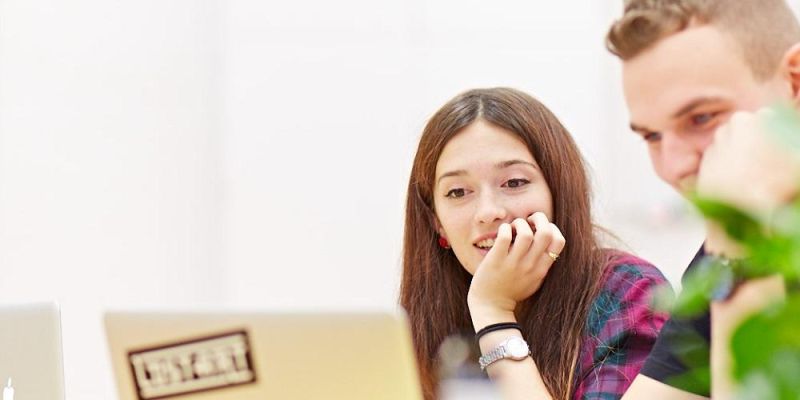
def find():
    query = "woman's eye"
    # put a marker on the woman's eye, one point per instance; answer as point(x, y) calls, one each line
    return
point(515, 183)
point(455, 193)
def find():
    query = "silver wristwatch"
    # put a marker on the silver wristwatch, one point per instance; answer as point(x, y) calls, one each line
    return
point(513, 348)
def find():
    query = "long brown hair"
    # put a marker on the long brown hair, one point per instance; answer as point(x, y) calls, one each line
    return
point(434, 285)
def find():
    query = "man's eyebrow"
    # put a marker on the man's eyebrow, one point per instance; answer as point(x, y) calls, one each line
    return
point(639, 129)
point(689, 107)
point(697, 102)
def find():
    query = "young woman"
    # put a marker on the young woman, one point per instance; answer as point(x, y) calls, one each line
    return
point(499, 241)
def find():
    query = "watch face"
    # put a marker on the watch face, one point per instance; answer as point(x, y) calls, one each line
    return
point(517, 348)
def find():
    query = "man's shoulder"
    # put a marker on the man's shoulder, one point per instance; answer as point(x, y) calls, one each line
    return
point(701, 253)
point(680, 357)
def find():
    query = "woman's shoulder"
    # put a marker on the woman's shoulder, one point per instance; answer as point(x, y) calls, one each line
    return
point(624, 271)
point(622, 325)
point(627, 295)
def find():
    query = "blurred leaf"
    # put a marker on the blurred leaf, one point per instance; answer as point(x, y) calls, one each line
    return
point(785, 123)
point(693, 351)
point(737, 224)
point(757, 386)
point(695, 380)
point(701, 284)
point(773, 249)
point(766, 347)
point(663, 298)
point(783, 247)
point(778, 255)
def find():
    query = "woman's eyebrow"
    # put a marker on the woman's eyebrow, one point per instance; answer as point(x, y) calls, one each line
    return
point(500, 165)
point(458, 172)
point(506, 164)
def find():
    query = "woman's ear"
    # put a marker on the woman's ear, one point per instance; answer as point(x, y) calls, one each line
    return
point(442, 240)
point(790, 67)
point(438, 226)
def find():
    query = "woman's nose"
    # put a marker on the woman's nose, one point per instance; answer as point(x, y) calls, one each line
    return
point(489, 208)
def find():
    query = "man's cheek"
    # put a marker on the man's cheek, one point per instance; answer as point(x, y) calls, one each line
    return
point(661, 172)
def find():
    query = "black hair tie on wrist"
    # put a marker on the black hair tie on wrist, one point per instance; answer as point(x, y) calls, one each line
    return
point(497, 327)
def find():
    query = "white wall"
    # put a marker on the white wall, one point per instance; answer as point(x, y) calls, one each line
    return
point(109, 164)
point(312, 219)
point(250, 153)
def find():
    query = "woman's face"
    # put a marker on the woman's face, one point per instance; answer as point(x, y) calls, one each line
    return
point(485, 176)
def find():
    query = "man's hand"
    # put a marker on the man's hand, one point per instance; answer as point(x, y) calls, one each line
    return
point(750, 298)
point(747, 167)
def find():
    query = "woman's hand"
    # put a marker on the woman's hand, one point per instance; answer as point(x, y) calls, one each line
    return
point(512, 272)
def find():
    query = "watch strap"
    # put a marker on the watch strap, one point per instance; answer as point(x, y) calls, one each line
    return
point(499, 353)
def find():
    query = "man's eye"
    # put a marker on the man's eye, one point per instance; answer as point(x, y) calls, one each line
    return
point(651, 137)
point(701, 120)
point(455, 193)
point(515, 183)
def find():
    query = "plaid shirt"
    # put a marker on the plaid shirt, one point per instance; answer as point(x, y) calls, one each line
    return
point(621, 329)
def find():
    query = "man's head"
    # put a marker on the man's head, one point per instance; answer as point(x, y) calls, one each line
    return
point(689, 64)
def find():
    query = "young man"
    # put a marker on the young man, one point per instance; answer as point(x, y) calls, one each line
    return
point(696, 76)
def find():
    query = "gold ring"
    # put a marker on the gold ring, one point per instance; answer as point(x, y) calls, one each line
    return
point(552, 255)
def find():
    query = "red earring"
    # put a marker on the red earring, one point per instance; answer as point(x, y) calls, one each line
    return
point(443, 243)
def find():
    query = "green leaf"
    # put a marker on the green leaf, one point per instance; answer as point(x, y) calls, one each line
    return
point(777, 255)
point(695, 380)
point(784, 122)
point(772, 249)
point(766, 348)
point(739, 225)
point(703, 283)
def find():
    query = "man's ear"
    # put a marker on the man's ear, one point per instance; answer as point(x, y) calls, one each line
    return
point(790, 67)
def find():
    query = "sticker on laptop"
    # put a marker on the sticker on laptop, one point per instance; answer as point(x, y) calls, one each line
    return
point(196, 365)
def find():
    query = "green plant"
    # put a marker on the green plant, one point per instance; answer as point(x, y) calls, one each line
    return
point(765, 347)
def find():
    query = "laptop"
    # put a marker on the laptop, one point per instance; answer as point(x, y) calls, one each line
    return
point(31, 359)
point(260, 355)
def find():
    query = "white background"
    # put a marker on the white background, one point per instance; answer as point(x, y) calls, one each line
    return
point(209, 154)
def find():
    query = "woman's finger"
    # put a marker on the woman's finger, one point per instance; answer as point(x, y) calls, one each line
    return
point(522, 241)
point(501, 243)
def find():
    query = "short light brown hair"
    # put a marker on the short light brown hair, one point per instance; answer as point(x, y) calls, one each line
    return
point(763, 29)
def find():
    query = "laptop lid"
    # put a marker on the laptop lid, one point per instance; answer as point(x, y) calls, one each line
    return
point(31, 351)
point(243, 356)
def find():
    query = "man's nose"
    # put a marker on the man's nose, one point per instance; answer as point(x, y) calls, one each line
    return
point(680, 158)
